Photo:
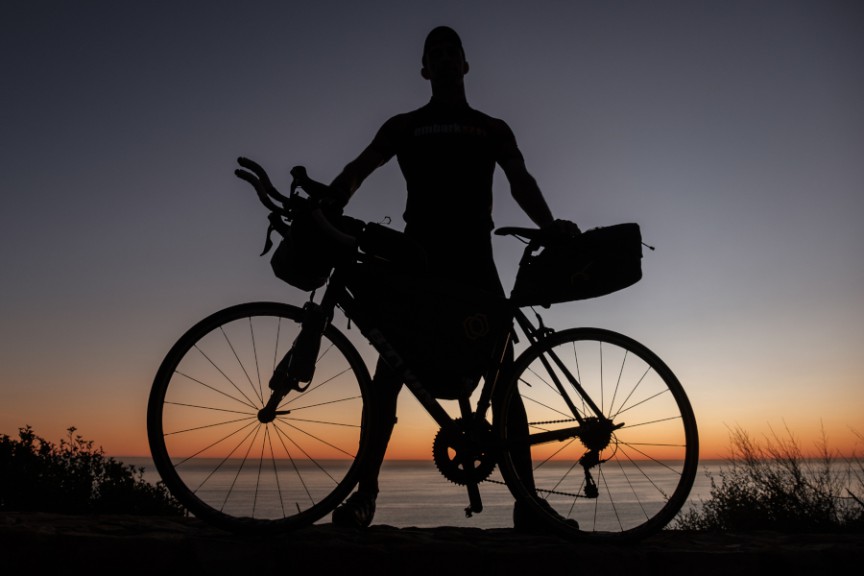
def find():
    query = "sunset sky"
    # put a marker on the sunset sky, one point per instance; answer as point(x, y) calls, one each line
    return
point(732, 131)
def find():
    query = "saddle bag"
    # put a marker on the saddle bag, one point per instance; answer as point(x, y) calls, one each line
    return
point(597, 262)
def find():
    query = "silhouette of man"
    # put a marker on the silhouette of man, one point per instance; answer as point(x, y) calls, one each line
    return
point(447, 152)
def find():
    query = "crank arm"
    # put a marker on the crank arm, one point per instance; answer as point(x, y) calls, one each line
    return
point(475, 503)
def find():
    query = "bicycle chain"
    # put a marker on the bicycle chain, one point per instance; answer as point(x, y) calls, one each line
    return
point(547, 492)
point(552, 492)
point(551, 422)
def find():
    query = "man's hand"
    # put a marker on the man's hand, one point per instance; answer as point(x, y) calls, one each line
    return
point(335, 198)
point(560, 231)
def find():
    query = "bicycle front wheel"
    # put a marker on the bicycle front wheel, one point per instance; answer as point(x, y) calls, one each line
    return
point(611, 437)
point(215, 455)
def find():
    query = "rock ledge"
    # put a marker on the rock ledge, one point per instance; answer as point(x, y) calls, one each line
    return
point(143, 545)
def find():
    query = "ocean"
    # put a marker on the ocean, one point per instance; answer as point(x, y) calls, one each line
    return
point(415, 494)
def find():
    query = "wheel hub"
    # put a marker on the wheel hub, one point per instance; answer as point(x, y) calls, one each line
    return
point(596, 434)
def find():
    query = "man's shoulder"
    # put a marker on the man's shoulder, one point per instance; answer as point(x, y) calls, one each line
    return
point(496, 127)
point(402, 120)
point(428, 112)
point(407, 122)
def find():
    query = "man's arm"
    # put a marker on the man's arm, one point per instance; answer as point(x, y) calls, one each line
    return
point(356, 171)
point(523, 187)
point(375, 155)
point(525, 191)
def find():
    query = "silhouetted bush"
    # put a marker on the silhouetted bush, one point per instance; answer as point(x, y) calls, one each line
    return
point(74, 478)
point(775, 488)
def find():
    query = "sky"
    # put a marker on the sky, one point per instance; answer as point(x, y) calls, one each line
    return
point(731, 131)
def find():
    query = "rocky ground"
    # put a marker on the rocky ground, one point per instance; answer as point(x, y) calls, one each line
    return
point(140, 545)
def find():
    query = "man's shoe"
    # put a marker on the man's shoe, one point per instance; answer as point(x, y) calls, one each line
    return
point(526, 520)
point(356, 512)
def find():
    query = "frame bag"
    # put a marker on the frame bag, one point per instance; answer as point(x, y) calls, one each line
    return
point(446, 334)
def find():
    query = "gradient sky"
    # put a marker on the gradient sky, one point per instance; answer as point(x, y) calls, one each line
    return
point(732, 131)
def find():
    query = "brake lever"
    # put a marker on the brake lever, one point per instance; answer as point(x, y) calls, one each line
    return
point(314, 189)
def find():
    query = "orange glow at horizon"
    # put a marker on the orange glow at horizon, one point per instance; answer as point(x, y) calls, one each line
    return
point(419, 447)
point(412, 440)
point(123, 433)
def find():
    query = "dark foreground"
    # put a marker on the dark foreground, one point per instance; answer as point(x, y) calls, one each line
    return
point(138, 545)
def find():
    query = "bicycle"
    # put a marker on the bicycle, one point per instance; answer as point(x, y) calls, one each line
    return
point(258, 416)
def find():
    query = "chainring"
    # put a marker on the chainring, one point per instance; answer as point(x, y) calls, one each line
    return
point(452, 452)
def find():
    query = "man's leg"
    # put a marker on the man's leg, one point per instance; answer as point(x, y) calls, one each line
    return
point(359, 509)
point(385, 392)
point(517, 430)
point(517, 425)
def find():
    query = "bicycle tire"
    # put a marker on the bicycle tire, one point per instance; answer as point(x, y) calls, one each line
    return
point(644, 469)
point(208, 445)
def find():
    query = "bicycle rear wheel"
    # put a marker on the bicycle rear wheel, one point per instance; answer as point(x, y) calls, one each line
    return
point(611, 434)
point(208, 444)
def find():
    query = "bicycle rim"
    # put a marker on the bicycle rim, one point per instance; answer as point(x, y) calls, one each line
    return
point(640, 451)
point(211, 450)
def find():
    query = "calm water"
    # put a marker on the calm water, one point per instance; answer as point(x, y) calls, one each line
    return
point(413, 493)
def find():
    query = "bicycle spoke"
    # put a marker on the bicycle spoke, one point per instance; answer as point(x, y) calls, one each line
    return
point(318, 438)
point(311, 388)
point(275, 471)
point(228, 378)
point(311, 459)
point(240, 362)
point(212, 425)
point(295, 466)
point(245, 401)
point(255, 359)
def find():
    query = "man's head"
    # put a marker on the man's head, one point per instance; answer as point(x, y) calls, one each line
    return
point(443, 55)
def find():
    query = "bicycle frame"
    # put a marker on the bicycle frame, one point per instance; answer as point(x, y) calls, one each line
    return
point(336, 295)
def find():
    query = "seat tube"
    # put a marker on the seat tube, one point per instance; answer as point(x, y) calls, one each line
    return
point(492, 378)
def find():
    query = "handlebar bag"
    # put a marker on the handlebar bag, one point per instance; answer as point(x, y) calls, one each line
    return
point(301, 259)
point(597, 262)
point(305, 256)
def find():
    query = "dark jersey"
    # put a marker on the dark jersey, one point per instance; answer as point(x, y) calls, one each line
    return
point(447, 155)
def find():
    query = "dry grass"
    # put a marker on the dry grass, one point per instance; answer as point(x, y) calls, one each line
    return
point(772, 486)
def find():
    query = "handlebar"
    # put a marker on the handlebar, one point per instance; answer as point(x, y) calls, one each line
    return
point(526, 233)
point(255, 175)
point(322, 212)
point(291, 206)
point(558, 232)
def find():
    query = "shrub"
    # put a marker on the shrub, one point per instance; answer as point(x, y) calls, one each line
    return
point(776, 488)
point(74, 478)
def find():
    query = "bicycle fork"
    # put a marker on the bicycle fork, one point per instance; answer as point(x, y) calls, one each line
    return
point(298, 364)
